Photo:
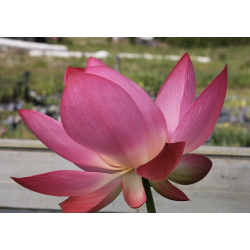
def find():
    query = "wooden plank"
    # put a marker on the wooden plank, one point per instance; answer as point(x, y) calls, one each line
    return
point(222, 151)
point(203, 202)
point(21, 144)
point(26, 163)
point(225, 189)
point(204, 150)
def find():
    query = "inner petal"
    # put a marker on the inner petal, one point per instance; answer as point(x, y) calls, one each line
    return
point(133, 190)
point(111, 162)
point(104, 118)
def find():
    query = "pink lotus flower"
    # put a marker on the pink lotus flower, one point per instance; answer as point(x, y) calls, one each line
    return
point(114, 131)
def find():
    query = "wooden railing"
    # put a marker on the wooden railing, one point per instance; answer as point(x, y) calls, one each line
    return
point(225, 189)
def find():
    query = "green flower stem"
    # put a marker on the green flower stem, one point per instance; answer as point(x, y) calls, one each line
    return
point(149, 202)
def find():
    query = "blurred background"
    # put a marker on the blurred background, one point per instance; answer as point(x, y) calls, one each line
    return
point(32, 73)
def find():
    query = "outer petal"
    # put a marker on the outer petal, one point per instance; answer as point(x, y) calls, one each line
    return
point(94, 62)
point(51, 133)
point(107, 200)
point(177, 93)
point(71, 70)
point(133, 190)
point(163, 164)
point(154, 120)
point(66, 182)
point(94, 201)
point(198, 123)
point(169, 191)
point(101, 116)
point(191, 169)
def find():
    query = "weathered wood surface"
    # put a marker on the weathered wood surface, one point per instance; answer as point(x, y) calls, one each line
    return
point(225, 189)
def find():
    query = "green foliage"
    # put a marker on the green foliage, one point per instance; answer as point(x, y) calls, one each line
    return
point(12, 89)
point(230, 135)
point(236, 102)
point(203, 42)
point(151, 81)
point(20, 132)
point(41, 64)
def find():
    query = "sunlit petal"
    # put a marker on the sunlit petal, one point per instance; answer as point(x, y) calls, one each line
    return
point(66, 182)
point(133, 190)
point(153, 118)
point(198, 123)
point(177, 93)
point(101, 116)
point(51, 133)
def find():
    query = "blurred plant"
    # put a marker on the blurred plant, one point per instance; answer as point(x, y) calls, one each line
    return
point(230, 135)
point(191, 42)
point(151, 81)
point(236, 102)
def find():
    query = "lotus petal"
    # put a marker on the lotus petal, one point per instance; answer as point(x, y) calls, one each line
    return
point(109, 161)
point(66, 182)
point(51, 133)
point(163, 164)
point(94, 62)
point(107, 200)
point(71, 70)
point(197, 124)
point(191, 169)
point(95, 201)
point(112, 170)
point(81, 69)
point(177, 93)
point(153, 118)
point(133, 190)
point(101, 116)
point(169, 191)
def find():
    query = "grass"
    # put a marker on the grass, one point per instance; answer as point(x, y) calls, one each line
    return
point(21, 131)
